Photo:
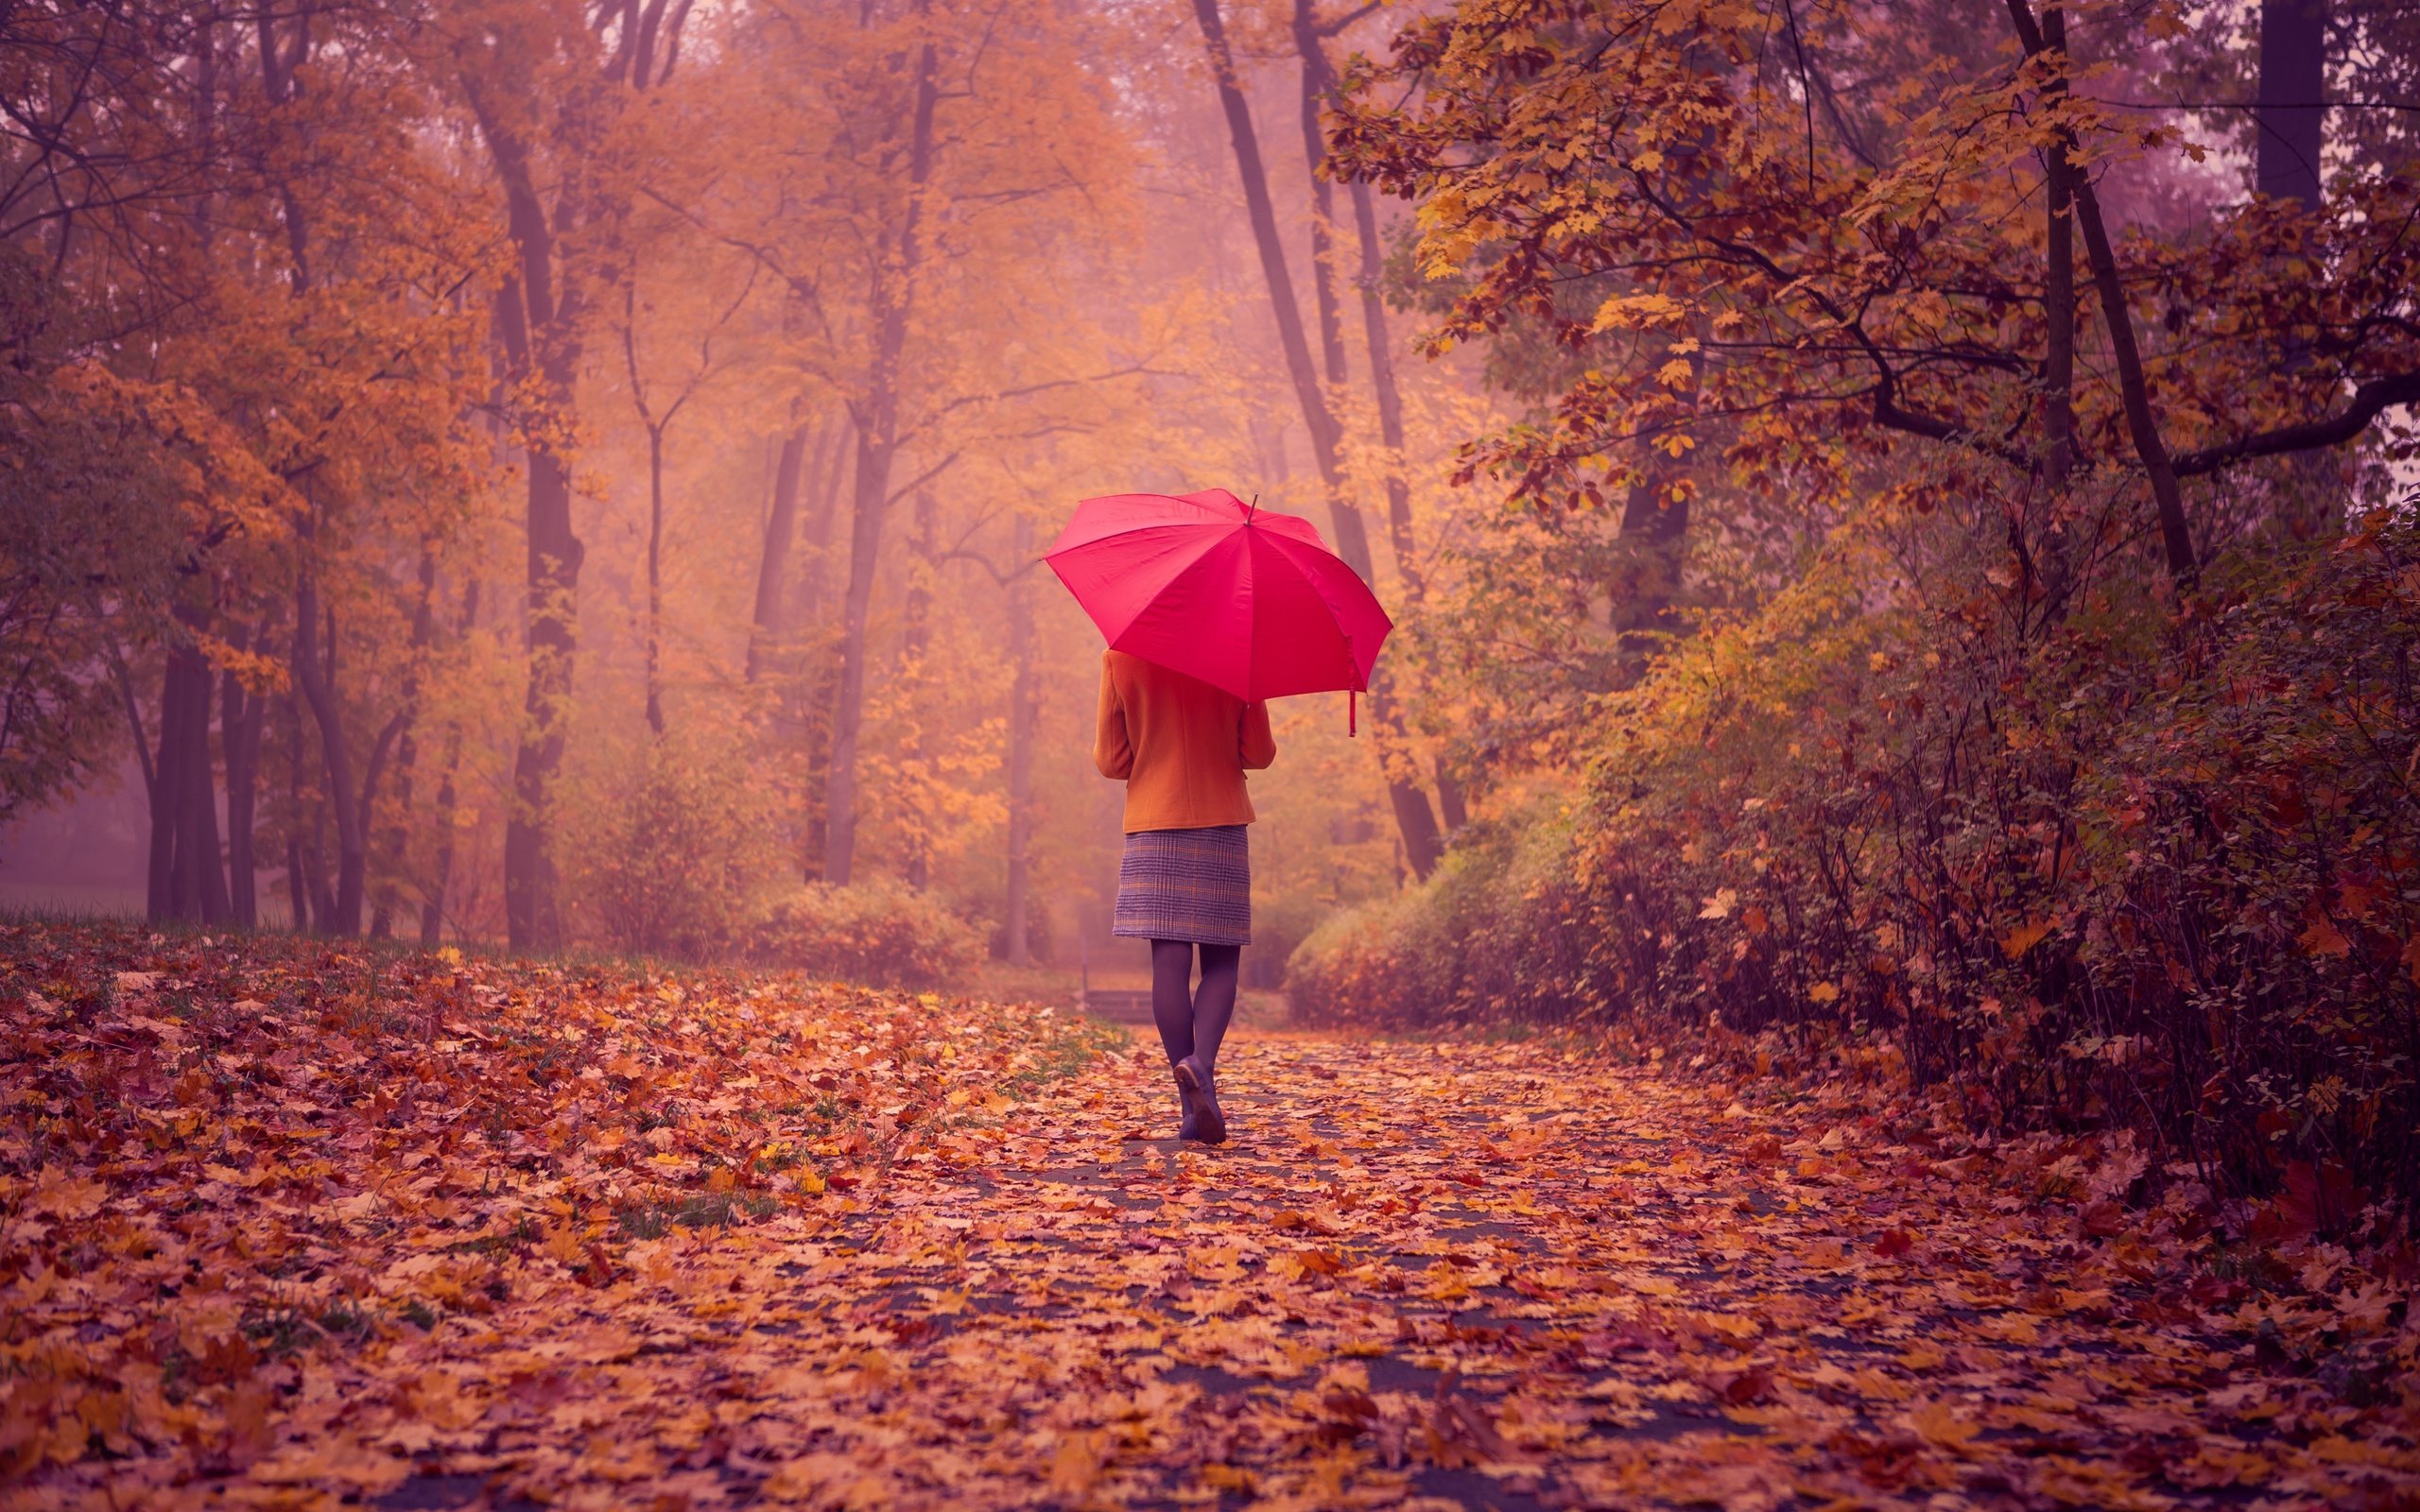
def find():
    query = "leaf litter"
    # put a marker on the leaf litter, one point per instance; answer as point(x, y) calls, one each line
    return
point(294, 1225)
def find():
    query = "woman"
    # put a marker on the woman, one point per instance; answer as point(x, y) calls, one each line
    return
point(1182, 747)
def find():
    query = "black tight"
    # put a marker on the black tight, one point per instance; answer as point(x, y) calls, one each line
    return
point(1192, 1019)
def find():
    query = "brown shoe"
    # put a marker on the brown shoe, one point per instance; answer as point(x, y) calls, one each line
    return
point(1210, 1124)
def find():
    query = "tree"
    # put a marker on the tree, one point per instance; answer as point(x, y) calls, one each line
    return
point(1857, 275)
point(911, 225)
point(1414, 819)
point(549, 96)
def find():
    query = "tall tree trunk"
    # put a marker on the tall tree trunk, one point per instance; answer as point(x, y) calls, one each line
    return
point(1020, 723)
point(1389, 396)
point(239, 744)
point(877, 425)
point(2059, 346)
point(2290, 120)
point(1415, 822)
point(2176, 536)
point(315, 673)
point(1351, 540)
point(766, 628)
point(539, 325)
point(1451, 806)
point(655, 580)
point(2289, 115)
point(1318, 85)
point(298, 884)
point(395, 838)
point(432, 907)
point(815, 577)
point(167, 790)
point(184, 826)
point(202, 885)
point(915, 642)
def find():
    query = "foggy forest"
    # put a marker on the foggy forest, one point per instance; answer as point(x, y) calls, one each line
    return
point(591, 656)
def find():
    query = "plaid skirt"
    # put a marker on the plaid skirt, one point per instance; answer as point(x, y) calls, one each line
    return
point(1188, 884)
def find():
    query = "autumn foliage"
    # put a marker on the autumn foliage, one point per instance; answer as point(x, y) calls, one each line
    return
point(222, 1160)
point(2148, 882)
point(326, 1225)
point(1865, 950)
point(1986, 595)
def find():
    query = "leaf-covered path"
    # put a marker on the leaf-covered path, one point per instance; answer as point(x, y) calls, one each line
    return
point(291, 1224)
point(1439, 1276)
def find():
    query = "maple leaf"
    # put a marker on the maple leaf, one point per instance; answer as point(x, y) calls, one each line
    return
point(2024, 937)
point(2320, 936)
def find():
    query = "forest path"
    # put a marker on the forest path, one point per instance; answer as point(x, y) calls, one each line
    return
point(1418, 1276)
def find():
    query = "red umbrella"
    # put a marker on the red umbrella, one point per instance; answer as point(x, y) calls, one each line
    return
point(1207, 585)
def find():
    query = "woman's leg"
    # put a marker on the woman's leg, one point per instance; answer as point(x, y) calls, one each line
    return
point(1172, 996)
point(1213, 1001)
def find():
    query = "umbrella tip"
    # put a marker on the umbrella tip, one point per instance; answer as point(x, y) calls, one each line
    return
point(1252, 509)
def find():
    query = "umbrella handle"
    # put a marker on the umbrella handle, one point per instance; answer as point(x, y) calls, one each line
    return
point(1352, 713)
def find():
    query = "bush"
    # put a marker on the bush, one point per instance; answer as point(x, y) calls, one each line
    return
point(665, 842)
point(2129, 867)
point(1496, 933)
point(880, 933)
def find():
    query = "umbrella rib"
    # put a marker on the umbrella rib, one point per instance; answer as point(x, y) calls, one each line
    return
point(1336, 611)
point(1252, 609)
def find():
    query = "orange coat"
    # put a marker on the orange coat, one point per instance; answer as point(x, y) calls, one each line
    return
point(1181, 744)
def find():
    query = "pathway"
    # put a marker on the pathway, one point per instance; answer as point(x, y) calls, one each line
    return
point(1420, 1277)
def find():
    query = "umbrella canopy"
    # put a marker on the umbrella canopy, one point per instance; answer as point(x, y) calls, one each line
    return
point(1243, 598)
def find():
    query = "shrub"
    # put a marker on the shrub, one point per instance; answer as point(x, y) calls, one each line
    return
point(1493, 935)
point(2128, 867)
point(879, 933)
point(665, 842)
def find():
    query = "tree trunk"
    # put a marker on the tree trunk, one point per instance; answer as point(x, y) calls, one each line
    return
point(239, 744)
point(1351, 540)
point(848, 706)
point(766, 627)
point(1414, 820)
point(2290, 123)
point(167, 793)
point(916, 640)
point(1319, 82)
point(2059, 353)
point(2176, 534)
point(2176, 537)
point(1390, 396)
point(540, 327)
point(432, 907)
point(394, 839)
point(1450, 804)
point(316, 676)
point(655, 580)
point(1020, 723)
point(877, 421)
point(2289, 115)
point(815, 580)
point(182, 877)
point(298, 888)
point(200, 882)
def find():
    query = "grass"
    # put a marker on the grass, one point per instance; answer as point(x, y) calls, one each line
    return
point(700, 1210)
